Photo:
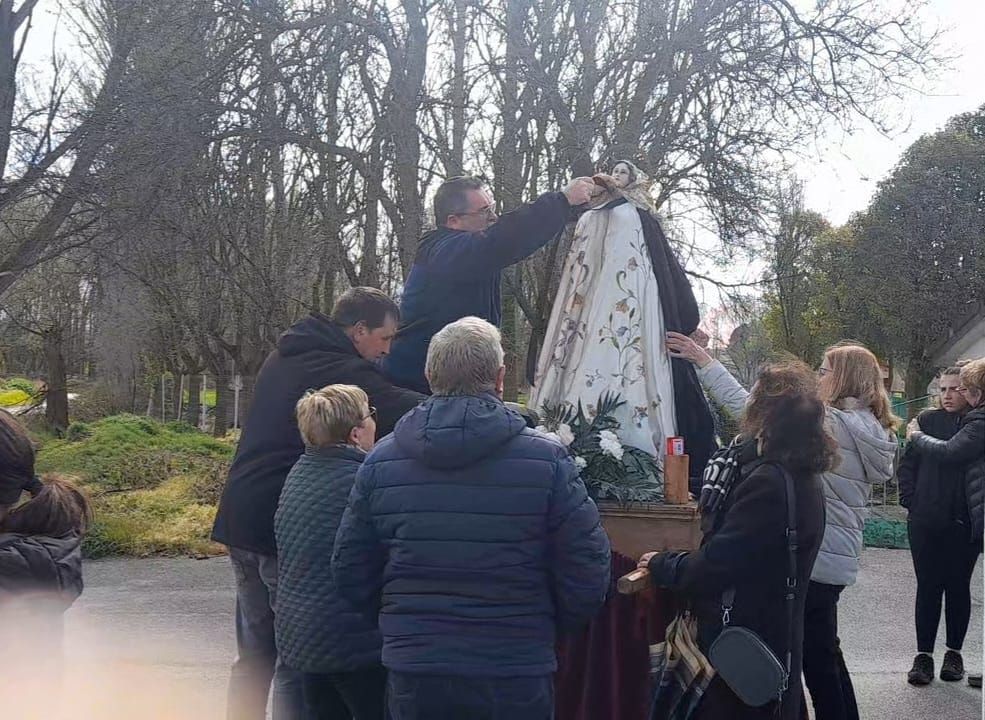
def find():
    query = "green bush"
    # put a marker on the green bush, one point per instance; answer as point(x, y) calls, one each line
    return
point(22, 384)
point(78, 431)
point(130, 452)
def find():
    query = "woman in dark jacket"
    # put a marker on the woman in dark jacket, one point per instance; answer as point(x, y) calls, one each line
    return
point(40, 554)
point(335, 648)
point(939, 529)
point(967, 447)
point(745, 545)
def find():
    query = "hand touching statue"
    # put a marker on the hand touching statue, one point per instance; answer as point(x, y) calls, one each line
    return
point(681, 346)
point(579, 191)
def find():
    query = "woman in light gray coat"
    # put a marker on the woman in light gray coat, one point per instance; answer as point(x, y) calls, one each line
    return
point(859, 416)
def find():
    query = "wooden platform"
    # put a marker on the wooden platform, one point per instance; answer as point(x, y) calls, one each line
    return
point(638, 528)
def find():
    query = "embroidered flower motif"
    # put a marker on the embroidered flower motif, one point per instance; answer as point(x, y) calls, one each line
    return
point(632, 264)
point(622, 306)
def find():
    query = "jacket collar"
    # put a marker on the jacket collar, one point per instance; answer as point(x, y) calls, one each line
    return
point(345, 452)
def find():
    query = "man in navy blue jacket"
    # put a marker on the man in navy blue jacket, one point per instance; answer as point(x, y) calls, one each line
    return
point(472, 539)
point(456, 272)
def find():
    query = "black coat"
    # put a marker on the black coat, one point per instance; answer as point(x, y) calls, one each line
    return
point(966, 450)
point(35, 564)
point(317, 631)
point(458, 273)
point(747, 550)
point(313, 353)
point(934, 492)
point(681, 314)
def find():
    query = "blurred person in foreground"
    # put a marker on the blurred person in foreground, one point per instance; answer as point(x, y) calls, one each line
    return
point(335, 648)
point(964, 451)
point(473, 540)
point(42, 522)
point(745, 547)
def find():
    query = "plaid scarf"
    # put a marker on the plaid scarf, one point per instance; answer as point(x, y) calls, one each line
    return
point(680, 672)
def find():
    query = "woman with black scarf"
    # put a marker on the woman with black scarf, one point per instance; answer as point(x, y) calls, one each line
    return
point(745, 548)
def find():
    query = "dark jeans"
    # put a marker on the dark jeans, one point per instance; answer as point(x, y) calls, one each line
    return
point(344, 696)
point(447, 697)
point(827, 678)
point(944, 560)
point(256, 662)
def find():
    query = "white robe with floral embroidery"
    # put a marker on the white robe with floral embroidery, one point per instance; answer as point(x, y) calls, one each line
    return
point(606, 331)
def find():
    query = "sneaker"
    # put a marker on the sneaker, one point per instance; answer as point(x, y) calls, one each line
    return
point(922, 672)
point(975, 680)
point(952, 669)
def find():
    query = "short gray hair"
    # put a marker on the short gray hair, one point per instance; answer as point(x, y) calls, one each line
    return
point(464, 358)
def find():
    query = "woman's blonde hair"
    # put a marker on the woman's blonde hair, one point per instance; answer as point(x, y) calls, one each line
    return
point(855, 373)
point(327, 416)
point(973, 375)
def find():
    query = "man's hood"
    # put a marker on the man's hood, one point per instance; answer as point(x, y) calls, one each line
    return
point(315, 333)
point(452, 432)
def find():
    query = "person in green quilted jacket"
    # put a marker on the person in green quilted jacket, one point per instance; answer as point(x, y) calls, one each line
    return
point(335, 648)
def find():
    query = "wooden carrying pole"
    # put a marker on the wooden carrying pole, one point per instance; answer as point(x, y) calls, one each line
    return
point(676, 469)
point(634, 582)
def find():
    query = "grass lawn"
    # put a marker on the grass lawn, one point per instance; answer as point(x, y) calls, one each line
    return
point(154, 486)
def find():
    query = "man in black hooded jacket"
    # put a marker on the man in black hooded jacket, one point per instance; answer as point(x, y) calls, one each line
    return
point(316, 351)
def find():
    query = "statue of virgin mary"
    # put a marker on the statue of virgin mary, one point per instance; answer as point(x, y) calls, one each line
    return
point(622, 289)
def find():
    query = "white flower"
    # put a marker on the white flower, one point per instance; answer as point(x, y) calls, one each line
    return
point(548, 433)
point(609, 436)
point(610, 445)
point(564, 432)
point(581, 462)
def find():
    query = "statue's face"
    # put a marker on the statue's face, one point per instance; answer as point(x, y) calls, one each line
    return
point(622, 175)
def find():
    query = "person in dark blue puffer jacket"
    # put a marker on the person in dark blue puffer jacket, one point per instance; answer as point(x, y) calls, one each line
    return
point(335, 649)
point(474, 540)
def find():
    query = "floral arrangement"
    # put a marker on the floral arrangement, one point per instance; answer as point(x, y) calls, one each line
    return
point(611, 470)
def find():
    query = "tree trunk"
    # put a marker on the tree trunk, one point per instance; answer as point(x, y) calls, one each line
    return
point(194, 407)
point(918, 374)
point(223, 403)
point(246, 397)
point(56, 404)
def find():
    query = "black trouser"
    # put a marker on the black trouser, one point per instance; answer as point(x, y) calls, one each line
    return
point(827, 678)
point(344, 696)
point(446, 697)
point(944, 561)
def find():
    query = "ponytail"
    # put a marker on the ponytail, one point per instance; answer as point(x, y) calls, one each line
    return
point(58, 508)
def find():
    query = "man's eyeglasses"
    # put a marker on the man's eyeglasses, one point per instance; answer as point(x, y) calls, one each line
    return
point(486, 212)
point(822, 371)
point(372, 413)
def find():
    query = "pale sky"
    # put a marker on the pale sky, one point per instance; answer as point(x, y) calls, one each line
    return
point(842, 175)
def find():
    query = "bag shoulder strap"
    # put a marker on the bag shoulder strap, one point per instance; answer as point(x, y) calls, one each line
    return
point(793, 546)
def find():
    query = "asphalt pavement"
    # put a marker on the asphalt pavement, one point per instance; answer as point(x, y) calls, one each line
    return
point(152, 639)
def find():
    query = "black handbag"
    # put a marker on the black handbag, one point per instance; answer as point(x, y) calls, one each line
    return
point(740, 657)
